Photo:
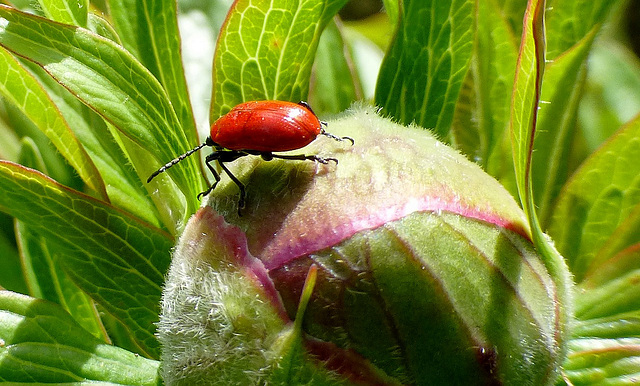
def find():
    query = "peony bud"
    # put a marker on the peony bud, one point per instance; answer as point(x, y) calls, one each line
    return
point(426, 273)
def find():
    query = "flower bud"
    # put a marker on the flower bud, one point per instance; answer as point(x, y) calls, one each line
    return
point(426, 273)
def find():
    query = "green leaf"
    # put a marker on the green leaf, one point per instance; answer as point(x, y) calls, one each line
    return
point(482, 111)
point(376, 29)
point(44, 275)
point(117, 332)
point(47, 280)
point(266, 50)
point(605, 347)
point(115, 258)
point(465, 133)
point(292, 364)
point(568, 22)
point(8, 137)
point(149, 29)
point(526, 99)
point(335, 85)
point(497, 55)
point(597, 200)
point(57, 167)
point(611, 289)
point(624, 236)
point(102, 27)
point(109, 80)
point(524, 113)
point(127, 20)
point(513, 11)
point(66, 11)
point(569, 43)
point(392, 8)
point(41, 343)
point(561, 92)
point(367, 58)
point(20, 88)
point(30, 155)
point(421, 76)
point(123, 186)
point(11, 276)
point(603, 362)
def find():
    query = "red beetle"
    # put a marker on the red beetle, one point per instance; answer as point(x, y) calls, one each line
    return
point(259, 128)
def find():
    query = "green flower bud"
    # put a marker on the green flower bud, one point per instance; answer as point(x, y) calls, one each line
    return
point(426, 273)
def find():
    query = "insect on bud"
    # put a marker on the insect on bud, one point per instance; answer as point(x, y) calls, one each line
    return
point(426, 273)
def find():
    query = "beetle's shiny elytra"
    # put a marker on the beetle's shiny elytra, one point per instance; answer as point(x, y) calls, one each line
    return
point(266, 126)
point(259, 128)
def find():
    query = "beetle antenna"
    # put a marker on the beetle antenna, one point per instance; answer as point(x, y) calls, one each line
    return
point(325, 133)
point(178, 159)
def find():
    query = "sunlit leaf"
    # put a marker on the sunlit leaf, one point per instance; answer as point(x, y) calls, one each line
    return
point(266, 50)
point(118, 260)
point(561, 91)
point(568, 22)
point(43, 274)
point(603, 361)
point(605, 345)
point(66, 11)
point(20, 88)
point(336, 84)
point(41, 344)
point(149, 29)
point(123, 187)
point(482, 111)
point(109, 80)
point(524, 110)
point(422, 73)
point(597, 199)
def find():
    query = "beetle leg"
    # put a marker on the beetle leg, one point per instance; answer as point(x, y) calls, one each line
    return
point(211, 157)
point(223, 156)
point(327, 134)
point(323, 123)
point(240, 185)
point(303, 157)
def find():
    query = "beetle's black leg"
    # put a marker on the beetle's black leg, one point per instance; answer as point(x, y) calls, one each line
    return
point(211, 157)
point(303, 157)
point(240, 185)
point(223, 156)
point(327, 134)
point(323, 123)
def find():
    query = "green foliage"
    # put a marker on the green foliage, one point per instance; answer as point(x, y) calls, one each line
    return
point(23, 90)
point(266, 51)
point(421, 75)
point(597, 214)
point(117, 259)
point(43, 344)
point(98, 101)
